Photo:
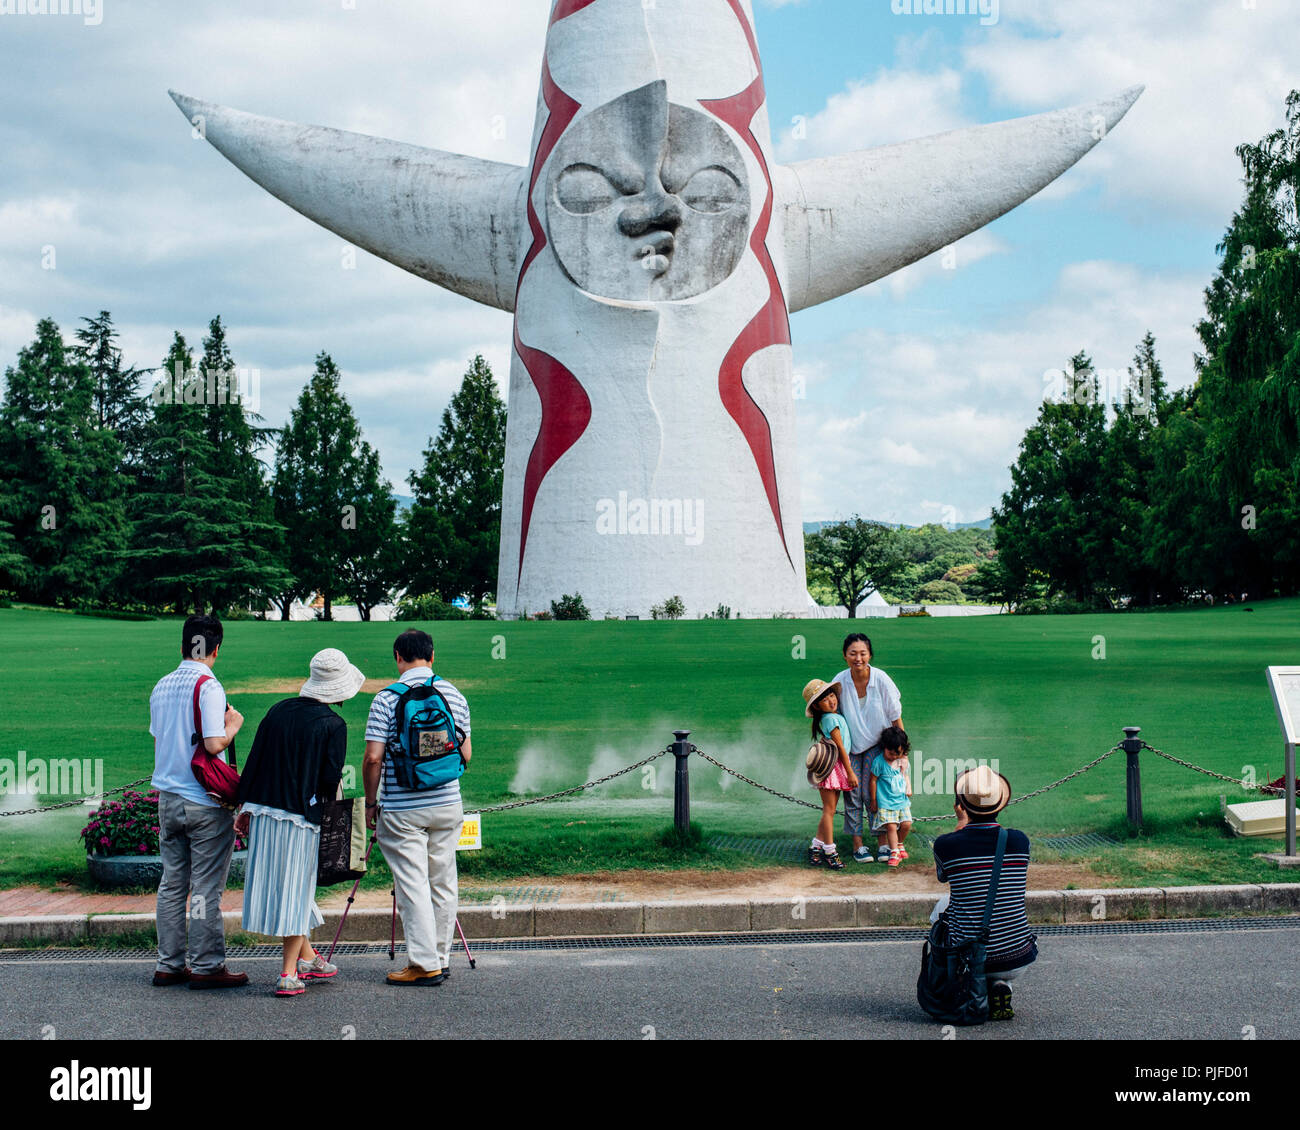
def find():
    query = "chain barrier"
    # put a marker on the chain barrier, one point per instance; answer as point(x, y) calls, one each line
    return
point(742, 777)
point(576, 788)
point(916, 820)
point(1211, 773)
point(79, 801)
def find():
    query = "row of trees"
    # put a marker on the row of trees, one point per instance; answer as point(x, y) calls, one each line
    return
point(1190, 494)
point(930, 564)
point(160, 499)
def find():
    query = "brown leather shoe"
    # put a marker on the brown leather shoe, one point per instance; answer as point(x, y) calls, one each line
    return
point(221, 979)
point(416, 975)
point(162, 979)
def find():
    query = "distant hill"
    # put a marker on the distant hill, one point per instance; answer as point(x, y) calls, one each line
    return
point(404, 502)
point(982, 524)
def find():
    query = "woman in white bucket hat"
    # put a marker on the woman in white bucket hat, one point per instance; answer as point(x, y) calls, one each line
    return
point(296, 763)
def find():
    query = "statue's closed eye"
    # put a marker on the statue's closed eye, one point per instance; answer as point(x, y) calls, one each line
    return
point(584, 189)
point(711, 190)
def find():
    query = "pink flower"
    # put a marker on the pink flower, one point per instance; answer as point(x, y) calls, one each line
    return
point(143, 850)
point(104, 841)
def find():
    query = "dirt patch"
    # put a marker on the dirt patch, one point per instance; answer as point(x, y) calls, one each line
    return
point(755, 883)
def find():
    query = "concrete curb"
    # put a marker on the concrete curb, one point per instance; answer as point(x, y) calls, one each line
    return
point(721, 916)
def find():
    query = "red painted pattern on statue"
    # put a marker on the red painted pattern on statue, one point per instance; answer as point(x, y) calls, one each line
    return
point(566, 8)
point(566, 408)
point(771, 326)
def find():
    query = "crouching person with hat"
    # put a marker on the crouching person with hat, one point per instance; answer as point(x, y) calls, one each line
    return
point(295, 764)
point(964, 860)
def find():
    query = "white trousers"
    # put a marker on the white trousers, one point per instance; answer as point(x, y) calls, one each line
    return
point(419, 846)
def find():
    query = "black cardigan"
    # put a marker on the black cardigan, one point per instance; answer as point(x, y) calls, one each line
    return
point(297, 758)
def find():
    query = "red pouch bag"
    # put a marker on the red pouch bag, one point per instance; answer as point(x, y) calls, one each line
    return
point(217, 778)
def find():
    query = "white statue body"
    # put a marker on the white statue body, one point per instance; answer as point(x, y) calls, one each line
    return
point(645, 253)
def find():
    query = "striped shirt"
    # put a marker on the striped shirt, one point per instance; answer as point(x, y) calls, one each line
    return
point(379, 728)
point(964, 860)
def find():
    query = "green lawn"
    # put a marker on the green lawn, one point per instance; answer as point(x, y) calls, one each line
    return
point(555, 704)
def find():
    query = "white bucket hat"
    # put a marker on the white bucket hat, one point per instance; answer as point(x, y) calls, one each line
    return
point(333, 678)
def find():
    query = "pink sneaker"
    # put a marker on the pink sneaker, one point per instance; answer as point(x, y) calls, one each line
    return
point(895, 858)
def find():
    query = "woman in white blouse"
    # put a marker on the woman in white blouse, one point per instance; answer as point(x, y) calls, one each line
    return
point(870, 704)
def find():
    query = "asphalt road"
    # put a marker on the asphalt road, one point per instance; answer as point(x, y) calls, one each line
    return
point(1220, 984)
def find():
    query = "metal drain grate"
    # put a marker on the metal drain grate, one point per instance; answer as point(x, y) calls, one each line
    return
point(1075, 845)
point(512, 894)
point(660, 941)
point(783, 850)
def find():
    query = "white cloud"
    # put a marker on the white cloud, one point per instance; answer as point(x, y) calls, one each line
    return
point(940, 417)
point(893, 106)
point(1216, 75)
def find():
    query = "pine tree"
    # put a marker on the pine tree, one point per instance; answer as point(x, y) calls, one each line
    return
point(330, 495)
point(1126, 485)
point(64, 503)
point(235, 433)
point(1052, 522)
point(195, 544)
point(1249, 381)
point(118, 403)
point(453, 529)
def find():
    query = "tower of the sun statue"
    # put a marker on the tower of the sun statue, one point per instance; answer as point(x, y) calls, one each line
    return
point(651, 254)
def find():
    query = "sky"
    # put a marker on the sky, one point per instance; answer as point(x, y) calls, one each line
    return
point(918, 387)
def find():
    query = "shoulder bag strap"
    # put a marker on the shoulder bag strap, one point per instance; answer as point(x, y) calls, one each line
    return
point(993, 882)
point(198, 726)
point(197, 739)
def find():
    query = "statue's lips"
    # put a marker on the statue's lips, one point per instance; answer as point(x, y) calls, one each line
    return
point(655, 252)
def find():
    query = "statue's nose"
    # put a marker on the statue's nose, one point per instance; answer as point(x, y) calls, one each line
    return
point(653, 210)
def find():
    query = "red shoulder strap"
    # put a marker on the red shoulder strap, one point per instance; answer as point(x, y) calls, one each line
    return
point(198, 724)
point(198, 714)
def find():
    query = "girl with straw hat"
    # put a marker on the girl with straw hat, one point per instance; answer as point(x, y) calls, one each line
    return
point(829, 775)
point(296, 763)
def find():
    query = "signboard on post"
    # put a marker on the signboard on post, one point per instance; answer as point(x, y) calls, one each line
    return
point(471, 833)
point(1284, 682)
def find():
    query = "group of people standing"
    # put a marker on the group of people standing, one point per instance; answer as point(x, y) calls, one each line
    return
point(295, 765)
point(860, 714)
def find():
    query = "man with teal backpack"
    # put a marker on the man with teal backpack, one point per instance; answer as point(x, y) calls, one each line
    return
point(417, 747)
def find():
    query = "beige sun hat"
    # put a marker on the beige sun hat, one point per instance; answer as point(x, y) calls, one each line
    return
point(333, 678)
point(821, 759)
point(983, 792)
point(815, 689)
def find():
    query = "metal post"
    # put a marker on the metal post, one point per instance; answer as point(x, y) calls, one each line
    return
point(1288, 772)
point(682, 783)
point(1133, 775)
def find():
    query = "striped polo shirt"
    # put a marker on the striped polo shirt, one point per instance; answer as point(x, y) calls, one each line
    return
point(379, 728)
point(964, 860)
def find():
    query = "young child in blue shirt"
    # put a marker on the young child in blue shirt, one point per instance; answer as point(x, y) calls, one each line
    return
point(822, 706)
point(889, 793)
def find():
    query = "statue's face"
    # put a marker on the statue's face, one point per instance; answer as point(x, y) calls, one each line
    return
point(647, 201)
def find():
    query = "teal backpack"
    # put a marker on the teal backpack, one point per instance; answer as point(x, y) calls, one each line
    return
point(425, 743)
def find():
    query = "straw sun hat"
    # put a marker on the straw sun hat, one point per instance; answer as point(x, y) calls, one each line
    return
point(983, 792)
point(815, 689)
point(333, 678)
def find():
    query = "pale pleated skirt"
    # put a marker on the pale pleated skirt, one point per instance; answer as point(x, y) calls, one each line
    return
point(280, 880)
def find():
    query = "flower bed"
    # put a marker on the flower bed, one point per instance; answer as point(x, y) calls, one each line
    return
point(121, 839)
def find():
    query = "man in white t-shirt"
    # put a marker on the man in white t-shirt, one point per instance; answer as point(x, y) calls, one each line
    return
point(870, 704)
point(196, 835)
